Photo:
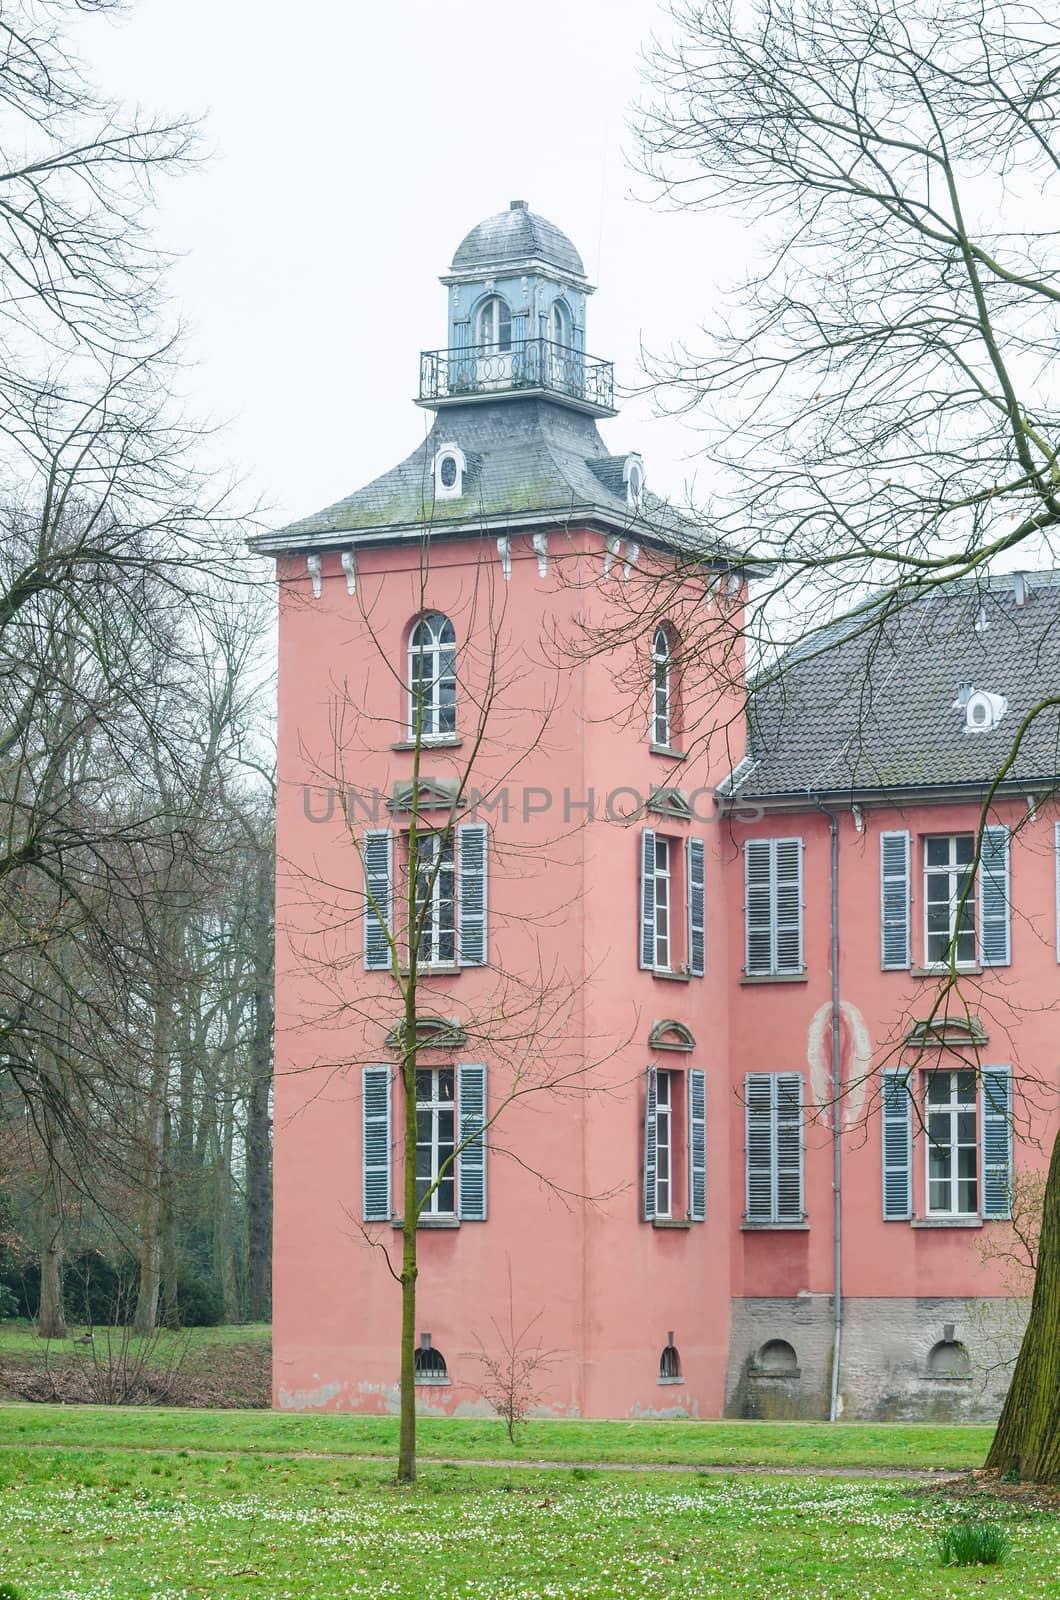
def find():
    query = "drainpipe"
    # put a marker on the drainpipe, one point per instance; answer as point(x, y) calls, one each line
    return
point(837, 1128)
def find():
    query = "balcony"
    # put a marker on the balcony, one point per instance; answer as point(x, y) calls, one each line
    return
point(529, 367)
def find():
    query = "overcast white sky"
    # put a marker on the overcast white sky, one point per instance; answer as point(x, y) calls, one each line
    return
point(352, 146)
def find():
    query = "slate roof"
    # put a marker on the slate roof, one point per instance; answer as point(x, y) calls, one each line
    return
point(876, 709)
point(526, 458)
point(513, 237)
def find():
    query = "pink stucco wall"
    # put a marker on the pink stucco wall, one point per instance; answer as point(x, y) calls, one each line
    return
point(565, 1168)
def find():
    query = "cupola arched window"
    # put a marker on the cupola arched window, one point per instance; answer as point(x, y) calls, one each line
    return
point(494, 324)
point(559, 323)
point(662, 687)
point(432, 677)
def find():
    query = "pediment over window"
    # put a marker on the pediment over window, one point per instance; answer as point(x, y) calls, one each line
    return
point(432, 1033)
point(434, 794)
point(669, 803)
point(954, 1032)
point(671, 1036)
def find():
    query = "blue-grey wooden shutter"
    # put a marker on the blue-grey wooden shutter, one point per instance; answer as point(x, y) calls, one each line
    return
point(378, 897)
point(375, 1143)
point(894, 900)
point(758, 906)
point(994, 922)
point(787, 903)
point(997, 1142)
point(697, 1146)
point(896, 1119)
point(788, 1123)
point(647, 898)
point(471, 894)
point(695, 852)
point(758, 1147)
point(651, 1143)
point(471, 1122)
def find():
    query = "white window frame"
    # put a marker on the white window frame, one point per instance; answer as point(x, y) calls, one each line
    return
point(493, 331)
point(664, 1143)
point(435, 1106)
point(454, 490)
point(436, 906)
point(664, 910)
point(951, 871)
point(427, 657)
point(661, 687)
point(951, 1110)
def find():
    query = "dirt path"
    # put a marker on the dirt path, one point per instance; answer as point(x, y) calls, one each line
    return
point(504, 1463)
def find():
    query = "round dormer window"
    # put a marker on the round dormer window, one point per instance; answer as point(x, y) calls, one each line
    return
point(979, 714)
point(636, 484)
point(450, 464)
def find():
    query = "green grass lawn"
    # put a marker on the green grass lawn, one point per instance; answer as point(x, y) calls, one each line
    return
point(676, 1443)
point(108, 1524)
point(19, 1338)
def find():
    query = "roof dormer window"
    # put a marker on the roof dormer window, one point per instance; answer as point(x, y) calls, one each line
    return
point(982, 710)
point(450, 464)
point(494, 324)
point(633, 473)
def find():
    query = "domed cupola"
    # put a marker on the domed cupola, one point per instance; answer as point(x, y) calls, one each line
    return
point(516, 324)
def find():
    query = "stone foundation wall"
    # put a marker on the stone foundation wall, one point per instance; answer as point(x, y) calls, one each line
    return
point(903, 1360)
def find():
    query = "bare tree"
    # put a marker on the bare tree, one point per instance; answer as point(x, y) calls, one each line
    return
point(879, 403)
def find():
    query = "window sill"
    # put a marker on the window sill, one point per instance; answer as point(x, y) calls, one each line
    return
point(442, 742)
point(943, 972)
point(775, 977)
point(428, 970)
point(946, 1222)
point(428, 1223)
point(774, 1227)
point(433, 1383)
point(681, 1223)
point(670, 977)
point(669, 1381)
point(948, 1377)
point(671, 755)
point(769, 1375)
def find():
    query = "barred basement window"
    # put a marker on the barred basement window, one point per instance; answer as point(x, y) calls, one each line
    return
point(430, 1363)
point(670, 1362)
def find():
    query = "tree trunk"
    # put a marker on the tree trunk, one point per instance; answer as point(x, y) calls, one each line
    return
point(170, 1268)
point(146, 1318)
point(51, 1320)
point(406, 1472)
point(1027, 1441)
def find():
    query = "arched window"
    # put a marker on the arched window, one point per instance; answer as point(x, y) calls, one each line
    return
point(778, 1358)
point(559, 323)
point(429, 1363)
point(432, 678)
point(494, 324)
point(670, 1361)
point(949, 1359)
point(662, 688)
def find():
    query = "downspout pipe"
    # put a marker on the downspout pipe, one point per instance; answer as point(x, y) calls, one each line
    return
point(837, 1128)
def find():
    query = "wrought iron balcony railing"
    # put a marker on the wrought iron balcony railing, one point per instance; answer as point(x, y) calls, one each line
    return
point(480, 371)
